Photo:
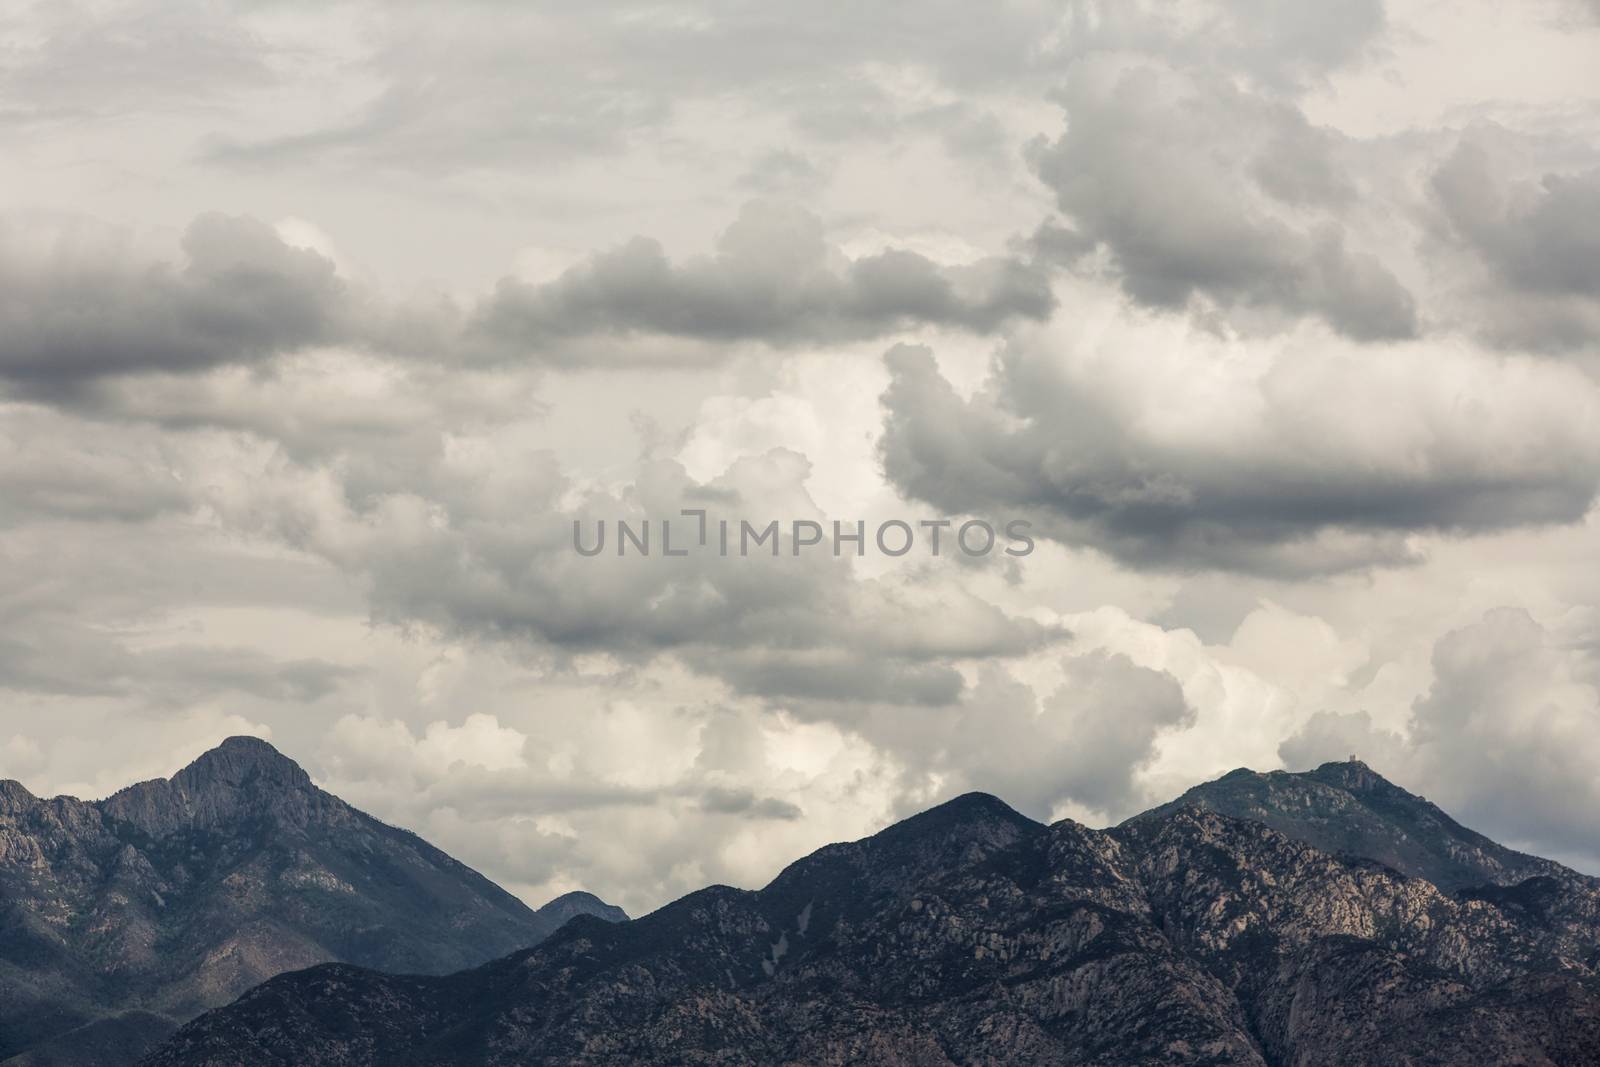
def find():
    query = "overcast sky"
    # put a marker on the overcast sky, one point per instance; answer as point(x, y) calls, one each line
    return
point(320, 323)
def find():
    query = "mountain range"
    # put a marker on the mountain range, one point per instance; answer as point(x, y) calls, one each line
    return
point(1325, 919)
point(122, 918)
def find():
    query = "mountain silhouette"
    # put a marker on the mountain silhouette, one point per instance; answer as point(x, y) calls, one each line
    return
point(970, 934)
point(122, 918)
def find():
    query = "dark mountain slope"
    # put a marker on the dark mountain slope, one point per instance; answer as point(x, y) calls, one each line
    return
point(175, 896)
point(971, 935)
point(1349, 808)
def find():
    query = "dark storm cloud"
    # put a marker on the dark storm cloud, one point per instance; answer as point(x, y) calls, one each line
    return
point(1285, 493)
point(74, 310)
point(1197, 188)
point(773, 278)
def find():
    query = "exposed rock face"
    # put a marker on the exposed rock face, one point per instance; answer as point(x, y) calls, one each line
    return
point(122, 918)
point(972, 935)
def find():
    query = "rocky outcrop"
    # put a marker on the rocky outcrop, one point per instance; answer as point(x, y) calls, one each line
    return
point(122, 918)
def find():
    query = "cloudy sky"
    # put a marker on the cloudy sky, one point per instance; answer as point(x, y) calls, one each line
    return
point(321, 323)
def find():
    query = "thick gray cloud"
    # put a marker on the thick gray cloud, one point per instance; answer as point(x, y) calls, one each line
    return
point(78, 307)
point(1257, 220)
point(1267, 485)
point(1541, 239)
point(1537, 237)
point(773, 279)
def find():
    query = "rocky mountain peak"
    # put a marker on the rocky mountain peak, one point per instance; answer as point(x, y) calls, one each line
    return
point(981, 813)
point(1348, 808)
point(953, 834)
point(14, 797)
point(1354, 775)
point(240, 779)
point(241, 762)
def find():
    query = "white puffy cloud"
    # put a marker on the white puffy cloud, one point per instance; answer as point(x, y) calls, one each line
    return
point(1513, 717)
point(373, 745)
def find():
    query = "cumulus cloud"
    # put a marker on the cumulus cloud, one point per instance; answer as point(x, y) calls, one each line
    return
point(1329, 736)
point(773, 278)
point(1080, 748)
point(479, 542)
point(1513, 721)
point(1183, 451)
point(1506, 737)
point(78, 306)
point(638, 797)
point(83, 307)
point(369, 744)
point(1535, 237)
point(1258, 221)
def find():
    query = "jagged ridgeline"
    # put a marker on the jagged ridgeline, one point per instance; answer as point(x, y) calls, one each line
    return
point(1328, 919)
point(123, 918)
